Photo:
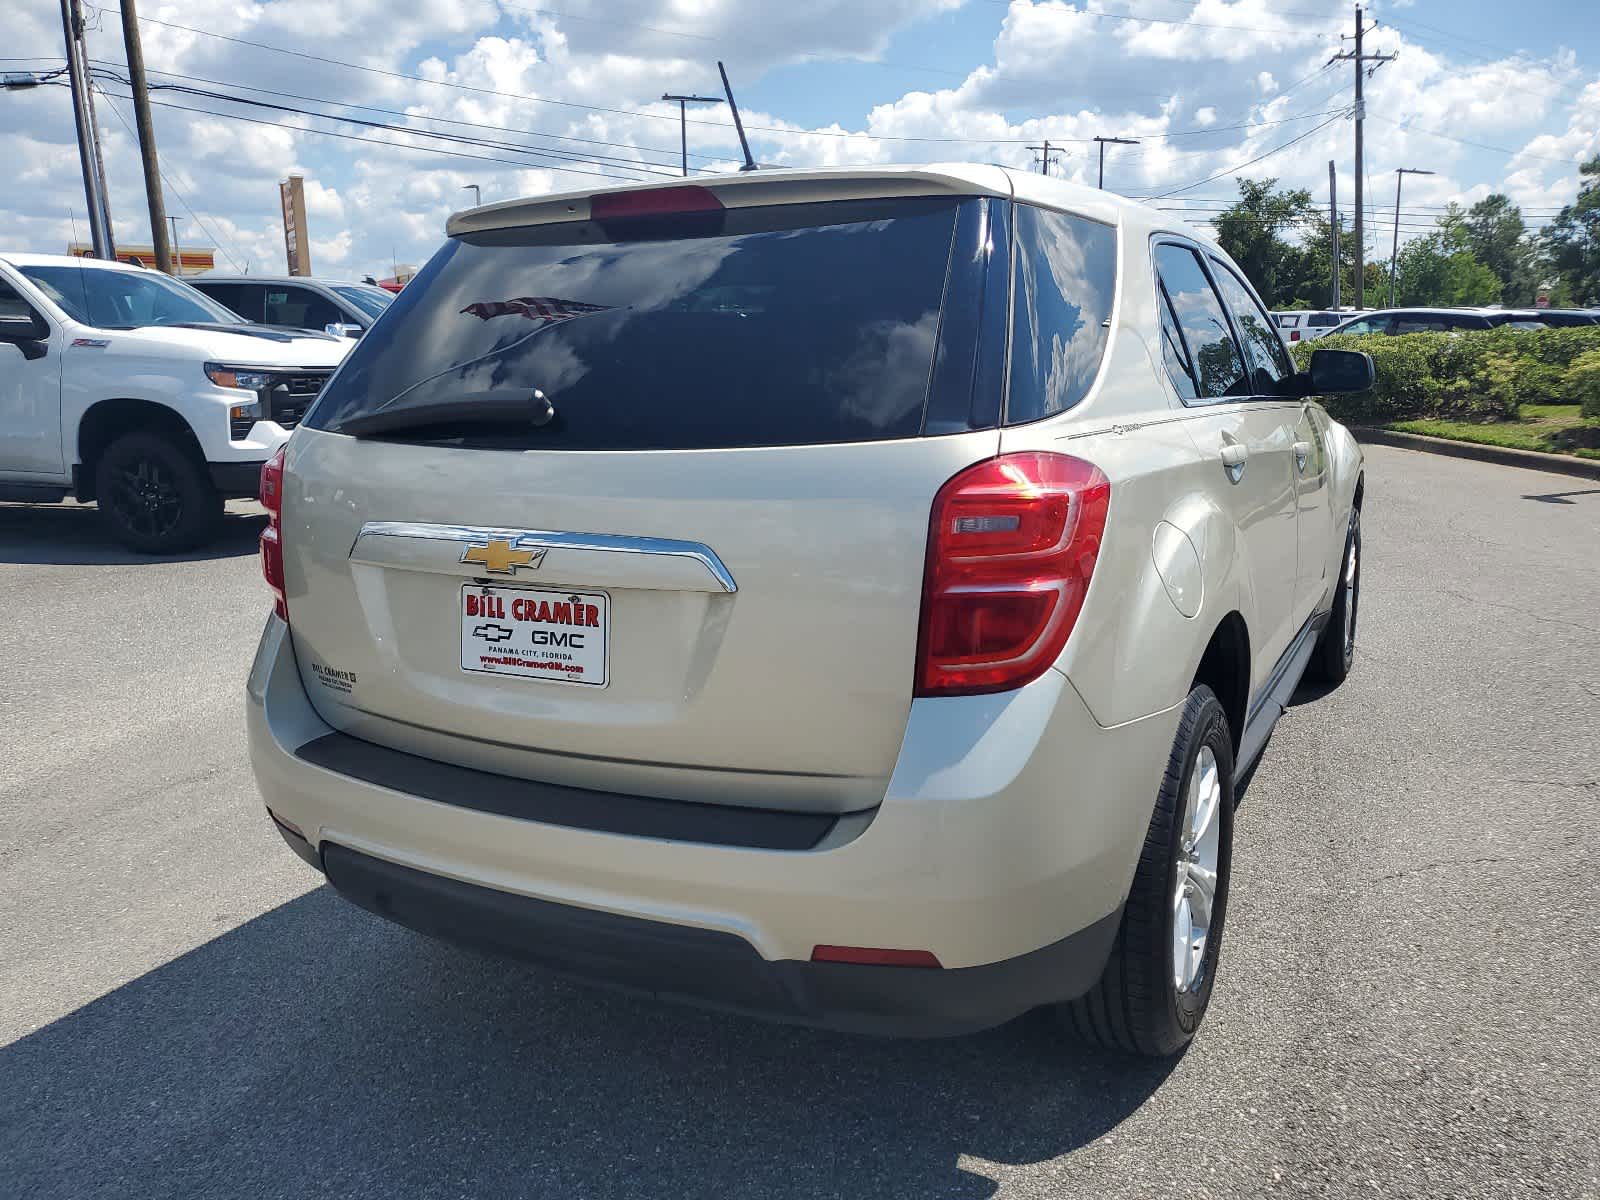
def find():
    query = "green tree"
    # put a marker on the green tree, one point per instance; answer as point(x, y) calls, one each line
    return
point(1252, 230)
point(1441, 268)
point(1494, 231)
point(1571, 242)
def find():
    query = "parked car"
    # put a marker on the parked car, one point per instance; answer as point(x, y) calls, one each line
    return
point(1309, 324)
point(129, 388)
point(1396, 321)
point(846, 595)
point(298, 302)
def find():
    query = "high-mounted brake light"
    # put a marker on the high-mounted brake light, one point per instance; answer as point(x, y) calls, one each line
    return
point(272, 535)
point(1012, 544)
point(654, 202)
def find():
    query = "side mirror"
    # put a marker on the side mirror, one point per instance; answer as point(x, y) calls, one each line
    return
point(343, 329)
point(1340, 371)
point(27, 332)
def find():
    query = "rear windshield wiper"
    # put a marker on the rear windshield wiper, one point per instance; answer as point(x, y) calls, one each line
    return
point(529, 410)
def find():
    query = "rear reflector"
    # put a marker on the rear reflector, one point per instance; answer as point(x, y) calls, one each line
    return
point(866, 956)
point(654, 202)
point(1012, 544)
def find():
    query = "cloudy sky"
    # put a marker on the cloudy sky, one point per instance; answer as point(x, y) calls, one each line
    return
point(522, 99)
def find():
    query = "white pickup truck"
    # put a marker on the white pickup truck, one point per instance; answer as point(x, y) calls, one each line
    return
point(131, 389)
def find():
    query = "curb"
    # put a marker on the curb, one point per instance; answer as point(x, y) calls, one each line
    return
point(1559, 464)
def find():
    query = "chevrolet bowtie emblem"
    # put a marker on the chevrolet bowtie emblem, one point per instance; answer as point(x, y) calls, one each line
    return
point(499, 558)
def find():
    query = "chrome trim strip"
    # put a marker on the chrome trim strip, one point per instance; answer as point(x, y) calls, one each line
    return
point(545, 539)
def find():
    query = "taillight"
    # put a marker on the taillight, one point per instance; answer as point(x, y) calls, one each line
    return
point(1294, 335)
point(1012, 544)
point(272, 535)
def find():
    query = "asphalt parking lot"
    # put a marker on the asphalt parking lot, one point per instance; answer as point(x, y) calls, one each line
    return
point(1408, 1002)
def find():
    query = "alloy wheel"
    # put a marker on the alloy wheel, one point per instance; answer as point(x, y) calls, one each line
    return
point(1194, 888)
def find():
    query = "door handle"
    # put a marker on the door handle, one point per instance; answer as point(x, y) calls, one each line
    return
point(1234, 455)
point(1302, 454)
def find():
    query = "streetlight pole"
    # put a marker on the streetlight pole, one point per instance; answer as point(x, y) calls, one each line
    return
point(477, 193)
point(1115, 141)
point(683, 119)
point(1394, 254)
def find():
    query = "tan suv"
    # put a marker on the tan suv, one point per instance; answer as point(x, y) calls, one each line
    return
point(849, 596)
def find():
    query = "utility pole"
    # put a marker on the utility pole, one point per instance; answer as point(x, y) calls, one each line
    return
point(147, 137)
point(1394, 254)
point(177, 255)
point(1115, 141)
point(1333, 230)
point(683, 120)
point(744, 142)
point(83, 118)
point(1361, 59)
point(1044, 152)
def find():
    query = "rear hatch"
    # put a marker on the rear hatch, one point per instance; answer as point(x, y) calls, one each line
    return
point(640, 502)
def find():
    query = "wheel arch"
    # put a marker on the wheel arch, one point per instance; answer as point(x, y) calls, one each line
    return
point(1224, 667)
point(107, 420)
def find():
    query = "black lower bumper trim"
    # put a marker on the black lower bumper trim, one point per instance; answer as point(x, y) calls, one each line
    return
point(718, 969)
point(236, 480)
point(555, 804)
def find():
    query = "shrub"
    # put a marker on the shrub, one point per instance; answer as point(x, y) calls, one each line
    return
point(1581, 383)
point(1478, 375)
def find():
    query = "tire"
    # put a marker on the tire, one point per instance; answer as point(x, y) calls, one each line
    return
point(154, 496)
point(1139, 1005)
point(1336, 648)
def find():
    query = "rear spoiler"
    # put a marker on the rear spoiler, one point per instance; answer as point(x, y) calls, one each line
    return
point(749, 190)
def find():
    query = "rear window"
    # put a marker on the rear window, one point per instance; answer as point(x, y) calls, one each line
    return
point(1323, 320)
point(782, 325)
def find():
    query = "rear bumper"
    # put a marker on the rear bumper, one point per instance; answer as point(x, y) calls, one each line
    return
point(1004, 846)
point(717, 969)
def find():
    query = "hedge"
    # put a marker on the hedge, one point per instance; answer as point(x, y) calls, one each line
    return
point(1477, 375)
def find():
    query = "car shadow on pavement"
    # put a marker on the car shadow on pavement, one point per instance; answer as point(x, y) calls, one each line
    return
point(317, 1051)
point(73, 535)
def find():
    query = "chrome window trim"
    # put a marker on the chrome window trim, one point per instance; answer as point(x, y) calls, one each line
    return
point(545, 539)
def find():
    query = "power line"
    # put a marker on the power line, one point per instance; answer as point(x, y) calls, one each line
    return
point(556, 154)
point(408, 115)
point(172, 187)
point(1248, 163)
point(1105, 16)
point(1407, 127)
point(350, 137)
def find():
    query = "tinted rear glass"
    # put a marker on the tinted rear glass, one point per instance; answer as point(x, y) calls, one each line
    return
point(1065, 276)
point(785, 325)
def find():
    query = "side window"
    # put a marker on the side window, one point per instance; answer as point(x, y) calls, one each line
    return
point(1367, 325)
point(1173, 353)
point(299, 307)
point(1322, 320)
point(1270, 364)
point(236, 297)
point(1066, 274)
point(1218, 370)
point(12, 304)
point(1424, 324)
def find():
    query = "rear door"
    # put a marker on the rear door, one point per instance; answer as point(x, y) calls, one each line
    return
point(695, 571)
point(1247, 431)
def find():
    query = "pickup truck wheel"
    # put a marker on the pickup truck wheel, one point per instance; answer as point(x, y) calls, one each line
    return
point(155, 497)
point(1336, 648)
point(1157, 982)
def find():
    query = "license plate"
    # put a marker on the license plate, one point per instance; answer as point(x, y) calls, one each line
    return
point(534, 633)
